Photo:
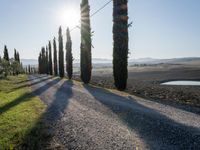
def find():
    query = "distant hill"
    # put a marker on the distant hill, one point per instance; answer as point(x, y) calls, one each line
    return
point(96, 61)
point(76, 61)
point(187, 60)
point(108, 62)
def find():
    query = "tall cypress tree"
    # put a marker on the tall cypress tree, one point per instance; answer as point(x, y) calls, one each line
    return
point(55, 61)
point(86, 62)
point(47, 61)
point(29, 69)
point(120, 37)
point(61, 53)
point(40, 63)
point(50, 60)
point(43, 61)
point(18, 57)
point(6, 55)
point(15, 55)
point(69, 58)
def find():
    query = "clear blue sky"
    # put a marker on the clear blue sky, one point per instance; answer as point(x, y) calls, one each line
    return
point(161, 28)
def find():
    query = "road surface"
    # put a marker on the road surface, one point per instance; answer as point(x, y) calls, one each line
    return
point(86, 117)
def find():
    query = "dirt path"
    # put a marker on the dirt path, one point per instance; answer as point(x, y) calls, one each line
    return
point(85, 117)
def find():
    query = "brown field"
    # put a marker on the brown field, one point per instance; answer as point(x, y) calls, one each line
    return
point(144, 81)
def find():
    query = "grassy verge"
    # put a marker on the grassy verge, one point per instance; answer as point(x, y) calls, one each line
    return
point(19, 111)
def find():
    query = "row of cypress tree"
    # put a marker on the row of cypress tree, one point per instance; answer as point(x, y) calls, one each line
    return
point(45, 60)
point(30, 69)
point(55, 67)
point(120, 47)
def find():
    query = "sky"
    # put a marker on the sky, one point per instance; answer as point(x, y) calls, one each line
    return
point(161, 28)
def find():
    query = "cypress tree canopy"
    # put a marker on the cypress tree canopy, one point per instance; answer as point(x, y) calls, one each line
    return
point(47, 60)
point(120, 37)
point(55, 61)
point(69, 57)
point(43, 61)
point(15, 54)
point(61, 53)
point(50, 60)
point(18, 57)
point(86, 61)
point(40, 63)
point(6, 55)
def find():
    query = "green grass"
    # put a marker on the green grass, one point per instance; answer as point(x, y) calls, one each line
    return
point(20, 111)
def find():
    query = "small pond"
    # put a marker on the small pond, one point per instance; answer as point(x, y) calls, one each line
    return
point(193, 83)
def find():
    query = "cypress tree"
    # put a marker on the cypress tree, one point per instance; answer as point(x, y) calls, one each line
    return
point(43, 61)
point(50, 60)
point(86, 62)
point(40, 63)
point(61, 53)
point(47, 61)
point(120, 37)
point(29, 69)
point(55, 58)
point(6, 55)
point(18, 57)
point(69, 58)
point(18, 60)
point(15, 55)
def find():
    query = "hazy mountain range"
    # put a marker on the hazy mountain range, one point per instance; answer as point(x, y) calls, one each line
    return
point(108, 62)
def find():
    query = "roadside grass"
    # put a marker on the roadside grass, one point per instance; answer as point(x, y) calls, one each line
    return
point(19, 111)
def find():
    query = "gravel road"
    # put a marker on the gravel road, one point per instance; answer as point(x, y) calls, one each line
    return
point(90, 118)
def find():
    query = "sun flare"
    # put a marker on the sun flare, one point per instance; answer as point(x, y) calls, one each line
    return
point(69, 17)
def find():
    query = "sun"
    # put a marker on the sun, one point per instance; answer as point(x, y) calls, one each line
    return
point(69, 17)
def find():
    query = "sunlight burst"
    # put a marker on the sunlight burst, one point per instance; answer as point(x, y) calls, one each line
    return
point(69, 17)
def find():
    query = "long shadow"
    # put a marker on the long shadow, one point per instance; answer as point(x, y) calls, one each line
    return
point(60, 101)
point(23, 98)
point(157, 130)
point(36, 77)
point(30, 84)
point(41, 135)
point(46, 86)
point(185, 107)
point(27, 96)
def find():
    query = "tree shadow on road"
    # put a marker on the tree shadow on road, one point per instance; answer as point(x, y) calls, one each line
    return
point(31, 79)
point(156, 129)
point(28, 83)
point(27, 96)
point(41, 136)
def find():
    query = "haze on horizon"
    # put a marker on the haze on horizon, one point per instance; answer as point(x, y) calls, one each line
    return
point(161, 29)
